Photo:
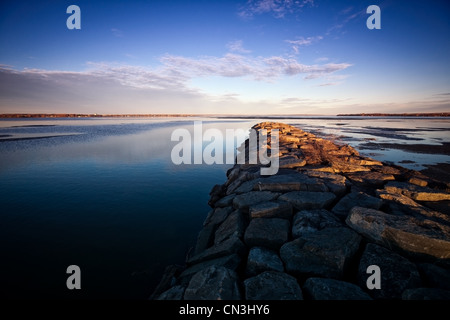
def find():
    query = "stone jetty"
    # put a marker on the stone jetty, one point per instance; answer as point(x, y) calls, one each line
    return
point(331, 224)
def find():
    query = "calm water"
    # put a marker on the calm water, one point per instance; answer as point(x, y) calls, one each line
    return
point(103, 194)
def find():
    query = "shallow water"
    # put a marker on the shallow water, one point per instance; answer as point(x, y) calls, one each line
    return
point(104, 194)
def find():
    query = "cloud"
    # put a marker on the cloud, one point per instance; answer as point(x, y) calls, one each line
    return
point(303, 42)
point(256, 68)
point(278, 8)
point(117, 33)
point(237, 46)
point(348, 16)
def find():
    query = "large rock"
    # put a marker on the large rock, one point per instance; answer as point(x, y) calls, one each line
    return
point(408, 206)
point(402, 233)
point(233, 226)
point(270, 233)
point(415, 192)
point(213, 283)
point(435, 276)
point(262, 259)
point(307, 221)
point(225, 201)
point(336, 183)
point(353, 199)
point(302, 200)
point(426, 294)
point(217, 216)
point(371, 179)
point(289, 182)
point(272, 285)
point(247, 199)
point(225, 248)
point(231, 262)
point(331, 289)
point(325, 253)
point(271, 209)
point(397, 272)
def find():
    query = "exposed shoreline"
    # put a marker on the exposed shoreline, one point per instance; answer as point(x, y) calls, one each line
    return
point(312, 230)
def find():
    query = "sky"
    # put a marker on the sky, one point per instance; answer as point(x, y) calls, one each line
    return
point(250, 57)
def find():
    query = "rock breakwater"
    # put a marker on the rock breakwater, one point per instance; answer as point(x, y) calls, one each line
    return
point(313, 230)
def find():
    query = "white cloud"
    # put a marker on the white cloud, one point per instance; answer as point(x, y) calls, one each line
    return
point(237, 46)
point(279, 8)
point(256, 68)
point(303, 42)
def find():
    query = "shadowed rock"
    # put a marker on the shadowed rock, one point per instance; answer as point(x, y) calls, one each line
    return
point(233, 226)
point(307, 221)
point(353, 199)
point(331, 289)
point(302, 200)
point(415, 192)
point(247, 199)
point(397, 272)
point(324, 253)
point(426, 294)
point(403, 233)
point(270, 233)
point(262, 259)
point(213, 283)
point(271, 209)
point(272, 285)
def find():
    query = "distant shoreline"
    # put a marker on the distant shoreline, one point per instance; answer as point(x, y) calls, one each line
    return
point(293, 116)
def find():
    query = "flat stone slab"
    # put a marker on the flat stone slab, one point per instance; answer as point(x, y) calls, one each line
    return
point(270, 233)
point(302, 200)
point(233, 226)
point(253, 197)
point(325, 253)
point(331, 289)
point(423, 238)
point(307, 221)
point(272, 285)
point(213, 283)
point(262, 259)
point(356, 199)
point(396, 272)
point(371, 178)
point(415, 192)
point(271, 209)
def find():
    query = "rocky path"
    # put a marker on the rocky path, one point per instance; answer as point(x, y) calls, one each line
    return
point(331, 224)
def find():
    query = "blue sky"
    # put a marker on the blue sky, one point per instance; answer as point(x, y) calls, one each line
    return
point(229, 57)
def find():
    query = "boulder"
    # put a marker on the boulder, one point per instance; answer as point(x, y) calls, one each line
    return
point(336, 183)
point(371, 178)
point(213, 283)
point(302, 200)
point(272, 285)
point(217, 216)
point(270, 233)
point(325, 253)
point(271, 209)
point(307, 221)
point(253, 197)
point(233, 226)
point(426, 294)
point(331, 289)
point(435, 276)
point(225, 201)
point(231, 262)
point(397, 272)
point(262, 259)
point(225, 248)
point(353, 199)
point(416, 238)
point(416, 192)
point(290, 182)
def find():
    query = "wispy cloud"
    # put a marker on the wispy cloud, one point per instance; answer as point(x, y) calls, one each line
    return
point(344, 17)
point(256, 68)
point(117, 33)
point(278, 8)
point(237, 46)
point(303, 42)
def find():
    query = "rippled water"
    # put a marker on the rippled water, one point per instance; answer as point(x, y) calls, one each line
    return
point(103, 194)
